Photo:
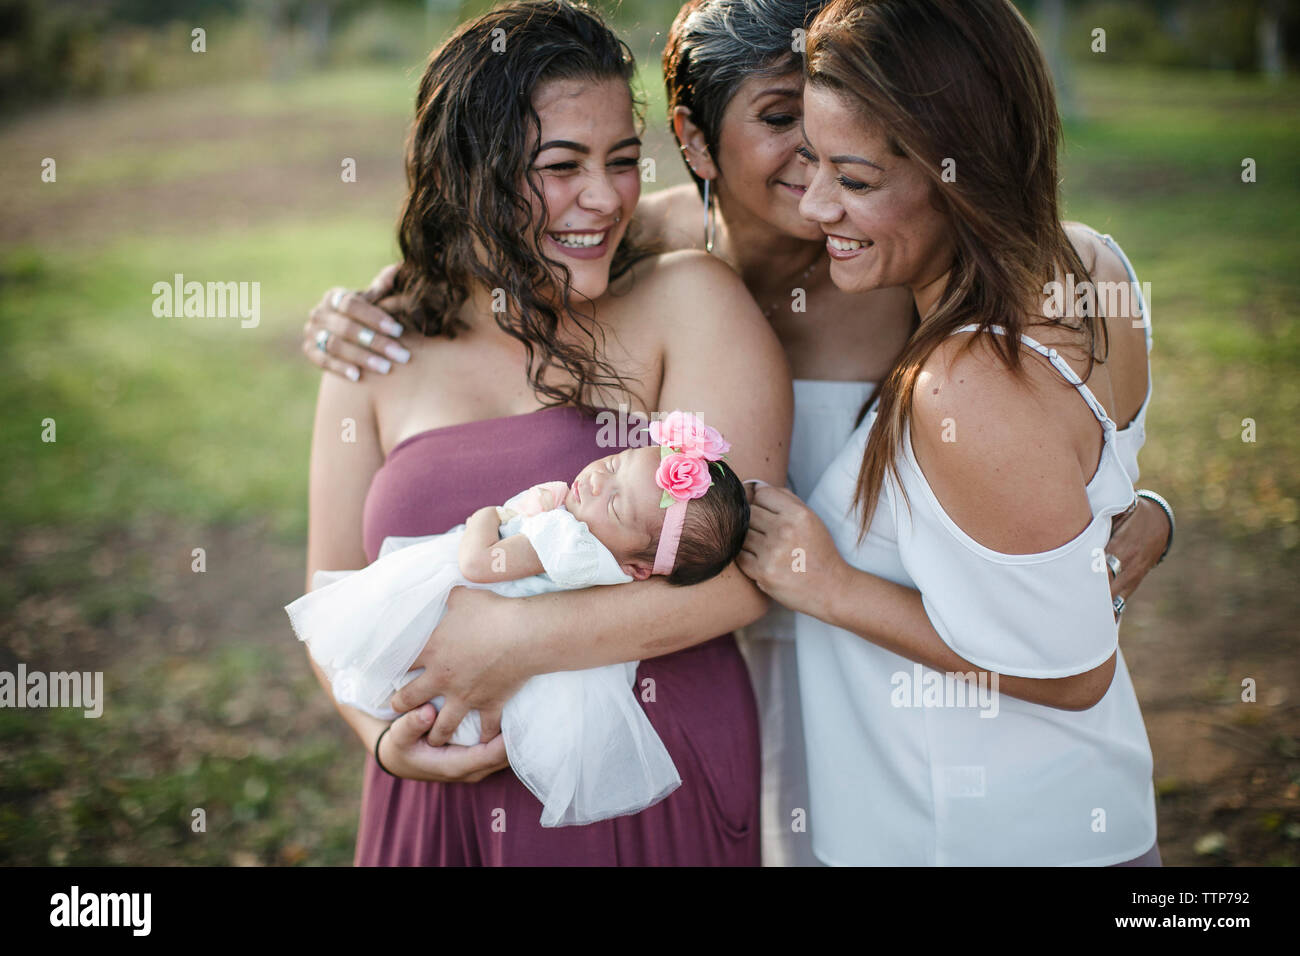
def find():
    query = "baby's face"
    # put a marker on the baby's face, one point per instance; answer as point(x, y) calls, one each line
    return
point(618, 498)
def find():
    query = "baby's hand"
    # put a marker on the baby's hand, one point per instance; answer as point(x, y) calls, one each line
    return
point(505, 514)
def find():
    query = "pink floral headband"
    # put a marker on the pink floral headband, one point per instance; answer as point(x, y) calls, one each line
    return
point(686, 446)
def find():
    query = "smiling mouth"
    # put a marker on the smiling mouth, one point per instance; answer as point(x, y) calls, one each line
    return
point(580, 240)
point(841, 244)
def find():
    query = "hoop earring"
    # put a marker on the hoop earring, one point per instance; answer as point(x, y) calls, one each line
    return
point(710, 228)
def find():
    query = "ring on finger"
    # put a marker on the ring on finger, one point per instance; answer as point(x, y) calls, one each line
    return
point(1118, 604)
point(1112, 562)
point(322, 340)
point(365, 337)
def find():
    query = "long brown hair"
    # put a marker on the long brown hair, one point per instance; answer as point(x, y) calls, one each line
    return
point(959, 80)
point(471, 145)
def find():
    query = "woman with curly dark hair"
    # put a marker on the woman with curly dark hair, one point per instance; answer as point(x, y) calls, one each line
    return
point(535, 314)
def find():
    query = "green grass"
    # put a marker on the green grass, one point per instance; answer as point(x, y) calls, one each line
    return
point(178, 738)
point(205, 425)
point(194, 417)
point(1157, 162)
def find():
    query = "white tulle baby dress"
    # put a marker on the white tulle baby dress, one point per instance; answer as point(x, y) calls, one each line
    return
point(577, 739)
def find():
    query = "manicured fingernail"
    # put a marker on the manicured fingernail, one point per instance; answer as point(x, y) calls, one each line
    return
point(391, 328)
point(354, 373)
point(379, 364)
point(397, 353)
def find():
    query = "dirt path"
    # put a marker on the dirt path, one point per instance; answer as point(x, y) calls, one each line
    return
point(1227, 771)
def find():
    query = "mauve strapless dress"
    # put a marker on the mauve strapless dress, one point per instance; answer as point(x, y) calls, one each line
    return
point(704, 709)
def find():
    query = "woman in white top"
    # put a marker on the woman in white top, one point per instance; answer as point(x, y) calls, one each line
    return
point(965, 701)
point(734, 88)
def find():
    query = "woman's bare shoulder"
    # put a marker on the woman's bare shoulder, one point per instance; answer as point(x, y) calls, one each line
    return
point(670, 217)
point(693, 280)
point(978, 433)
point(965, 373)
point(1107, 270)
point(965, 386)
point(1085, 242)
point(426, 391)
point(1101, 261)
point(676, 262)
point(426, 352)
point(690, 299)
point(674, 200)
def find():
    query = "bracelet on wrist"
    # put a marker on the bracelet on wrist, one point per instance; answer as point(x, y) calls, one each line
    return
point(1164, 506)
point(378, 740)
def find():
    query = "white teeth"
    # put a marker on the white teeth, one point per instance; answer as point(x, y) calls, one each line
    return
point(579, 240)
point(845, 245)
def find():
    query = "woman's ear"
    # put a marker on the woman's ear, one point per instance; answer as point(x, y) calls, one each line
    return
point(695, 149)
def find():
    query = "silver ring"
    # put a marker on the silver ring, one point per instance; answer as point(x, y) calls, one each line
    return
point(336, 298)
point(322, 340)
point(1112, 562)
point(365, 337)
point(1118, 605)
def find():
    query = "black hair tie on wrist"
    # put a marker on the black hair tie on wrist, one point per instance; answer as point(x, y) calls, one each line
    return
point(377, 760)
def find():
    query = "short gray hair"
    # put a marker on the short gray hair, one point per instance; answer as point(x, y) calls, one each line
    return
point(715, 45)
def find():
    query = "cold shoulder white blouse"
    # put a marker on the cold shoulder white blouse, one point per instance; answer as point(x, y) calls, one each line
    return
point(909, 766)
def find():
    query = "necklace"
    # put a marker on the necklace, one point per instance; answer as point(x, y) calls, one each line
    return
point(771, 309)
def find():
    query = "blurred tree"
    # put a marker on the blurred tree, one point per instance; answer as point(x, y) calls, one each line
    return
point(154, 12)
point(1051, 34)
point(1269, 38)
point(1245, 35)
point(51, 48)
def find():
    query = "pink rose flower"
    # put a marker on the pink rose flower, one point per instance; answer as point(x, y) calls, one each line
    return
point(683, 476)
point(686, 432)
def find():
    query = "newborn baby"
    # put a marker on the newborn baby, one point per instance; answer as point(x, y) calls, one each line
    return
point(578, 740)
